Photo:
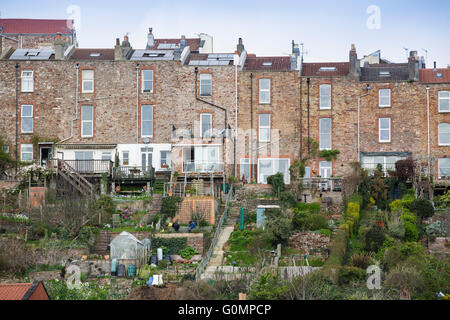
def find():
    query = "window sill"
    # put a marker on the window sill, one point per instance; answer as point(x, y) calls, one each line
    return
point(27, 91)
point(384, 141)
point(147, 91)
point(384, 106)
point(448, 111)
point(444, 145)
point(325, 108)
point(264, 103)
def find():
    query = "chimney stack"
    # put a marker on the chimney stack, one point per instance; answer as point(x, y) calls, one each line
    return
point(353, 61)
point(183, 42)
point(59, 47)
point(240, 46)
point(117, 50)
point(150, 39)
point(413, 66)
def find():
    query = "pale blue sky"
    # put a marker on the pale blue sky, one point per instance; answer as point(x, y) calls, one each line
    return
point(327, 28)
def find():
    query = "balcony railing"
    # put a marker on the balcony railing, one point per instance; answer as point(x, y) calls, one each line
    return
point(130, 172)
point(87, 166)
point(202, 166)
point(323, 184)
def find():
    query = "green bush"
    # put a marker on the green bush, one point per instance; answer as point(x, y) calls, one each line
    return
point(169, 206)
point(326, 232)
point(357, 198)
point(374, 238)
point(422, 208)
point(411, 232)
point(268, 286)
point(277, 183)
point(337, 255)
point(348, 275)
point(188, 252)
point(317, 222)
point(174, 245)
point(287, 199)
point(278, 226)
point(313, 207)
point(104, 208)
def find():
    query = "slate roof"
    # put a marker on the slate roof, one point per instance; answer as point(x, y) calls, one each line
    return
point(313, 69)
point(36, 26)
point(432, 75)
point(278, 63)
point(397, 72)
point(85, 54)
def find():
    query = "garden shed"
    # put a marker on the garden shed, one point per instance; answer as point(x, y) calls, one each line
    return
point(127, 249)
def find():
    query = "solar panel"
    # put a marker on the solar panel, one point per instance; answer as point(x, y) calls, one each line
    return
point(32, 54)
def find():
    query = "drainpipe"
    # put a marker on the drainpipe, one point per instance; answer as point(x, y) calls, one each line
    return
point(251, 127)
point(17, 116)
point(236, 119)
point(428, 130)
point(308, 81)
point(137, 104)
point(301, 118)
point(77, 67)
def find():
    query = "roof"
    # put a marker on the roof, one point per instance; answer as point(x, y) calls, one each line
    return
point(36, 26)
point(193, 43)
point(15, 291)
point(278, 63)
point(210, 59)
point(92, 54)
point(435, 75)
point(32, 54)
point(324, 69)
point(385, 72)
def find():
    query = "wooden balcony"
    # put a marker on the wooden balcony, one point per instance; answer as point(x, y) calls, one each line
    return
point(86, 167)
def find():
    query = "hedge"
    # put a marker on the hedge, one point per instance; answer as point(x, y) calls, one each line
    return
point(173, 244)
point(337, 255)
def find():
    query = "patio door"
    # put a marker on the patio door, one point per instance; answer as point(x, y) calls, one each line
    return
point(84, 161)
point(147, 158)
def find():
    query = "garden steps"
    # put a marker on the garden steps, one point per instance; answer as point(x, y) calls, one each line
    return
point(101, 243)
point(217, 256)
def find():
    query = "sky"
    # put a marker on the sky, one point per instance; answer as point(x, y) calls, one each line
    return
point(327, 28)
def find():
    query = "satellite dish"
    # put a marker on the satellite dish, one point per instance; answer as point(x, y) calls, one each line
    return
point(146, 140)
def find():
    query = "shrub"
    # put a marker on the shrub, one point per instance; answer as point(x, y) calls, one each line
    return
point(104, 209)
point(317, 221)
point(188, 252)
point(174, 245)
point(435, 229)
point(357, 198)
point(404, 277)
point(326, 232)
point(422, 208)
point(411, 232)
point(313, 207)
point(397, 230)
point(299, 221)
point(287, 199)
point(169, 207)
point(361, 260)
point(337, 255)
point(374, 238)
point(277, 183)
point(348, 275)
point(268, 286)
point(278, 226)
point(404, 169)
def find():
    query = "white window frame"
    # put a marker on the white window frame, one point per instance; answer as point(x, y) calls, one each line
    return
point(22, 118)
point(106, 156)
point(443, 98)
point(126, 152)
point(22, 152)
point(27, 82)
point(83, 122)
point(145, 80)
point(321, 147)
point(261, 90)
point(444, 132)
point(286, 175)
point(243, 163)
point(440, 165)
point(85, 79)
point(322, 105)
point(205, 134)
point(205, 80)
point(384, 129)
point(168, 158)
point(379, 98)
point(145, 121)
point(325, 165)
point(264, 127)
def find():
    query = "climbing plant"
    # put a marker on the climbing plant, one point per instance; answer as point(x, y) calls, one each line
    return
point(329, 154)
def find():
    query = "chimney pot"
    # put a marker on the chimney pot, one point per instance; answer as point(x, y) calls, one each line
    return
point(58, 35)
point(150, 30)
point(117, 42)
point(125, 38)
point(240, 40)
point(353, 47)
point(183, 37)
